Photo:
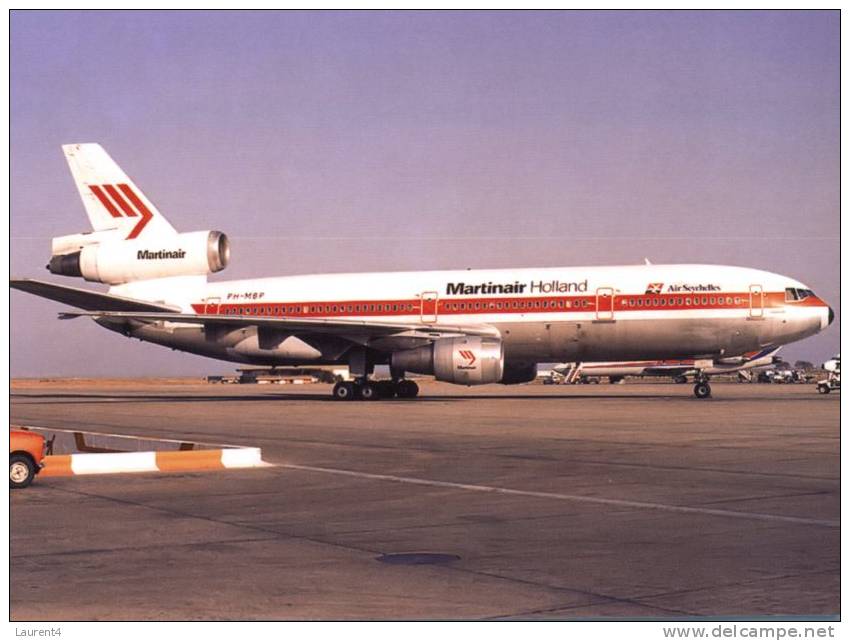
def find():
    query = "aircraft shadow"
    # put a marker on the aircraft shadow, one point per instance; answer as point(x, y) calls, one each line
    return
point(82, 398)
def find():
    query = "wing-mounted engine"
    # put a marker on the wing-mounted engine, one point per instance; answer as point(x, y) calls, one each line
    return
point(99, 257)
point(464, 360)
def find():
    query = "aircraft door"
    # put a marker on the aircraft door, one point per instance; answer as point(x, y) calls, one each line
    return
point(212, 305)
point(605, 303)
point(756, 301)
point(428, 307)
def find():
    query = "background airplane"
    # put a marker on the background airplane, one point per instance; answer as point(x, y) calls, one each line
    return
point(678, 370)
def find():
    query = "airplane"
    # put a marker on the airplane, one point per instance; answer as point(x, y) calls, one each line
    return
point(467, 327)
point(678, 369)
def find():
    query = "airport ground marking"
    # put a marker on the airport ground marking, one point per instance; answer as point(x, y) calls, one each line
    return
point(664, 507)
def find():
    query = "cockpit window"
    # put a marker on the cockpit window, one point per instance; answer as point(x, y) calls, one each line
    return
point(794, 293)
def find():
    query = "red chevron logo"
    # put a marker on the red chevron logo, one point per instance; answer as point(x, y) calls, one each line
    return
point(468, 355)
point(121, 201)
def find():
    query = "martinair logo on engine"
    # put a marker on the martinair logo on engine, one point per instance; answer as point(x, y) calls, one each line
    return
point(469, 356)
point(162, 254)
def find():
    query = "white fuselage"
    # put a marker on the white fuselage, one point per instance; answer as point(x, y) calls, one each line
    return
point(541, 314)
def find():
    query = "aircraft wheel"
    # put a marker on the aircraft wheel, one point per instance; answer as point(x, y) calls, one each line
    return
point(702, 390)
point(823, 389)
point(407, 389)
point(369, 391)
point(343, 391)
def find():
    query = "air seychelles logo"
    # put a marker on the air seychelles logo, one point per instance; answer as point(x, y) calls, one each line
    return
point(658, 288)
point(690, 287)
point(534, 287)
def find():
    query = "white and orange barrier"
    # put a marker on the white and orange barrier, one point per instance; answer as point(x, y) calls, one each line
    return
point(102, 453)
point(173, 461)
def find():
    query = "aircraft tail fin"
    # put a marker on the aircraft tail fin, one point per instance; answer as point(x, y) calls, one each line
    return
point(113, 202)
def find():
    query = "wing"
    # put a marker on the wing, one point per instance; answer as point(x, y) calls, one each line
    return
point(354, 330)
point(86, 299)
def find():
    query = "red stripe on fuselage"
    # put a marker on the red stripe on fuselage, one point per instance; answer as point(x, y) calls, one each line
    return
point(507, 305)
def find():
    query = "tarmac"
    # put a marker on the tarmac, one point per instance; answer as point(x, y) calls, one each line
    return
point(632, 501)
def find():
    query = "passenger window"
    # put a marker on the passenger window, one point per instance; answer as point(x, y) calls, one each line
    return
point(687, 301)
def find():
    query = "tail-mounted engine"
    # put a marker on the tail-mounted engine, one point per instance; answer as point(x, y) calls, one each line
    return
point(99, 258)
point(465, 361)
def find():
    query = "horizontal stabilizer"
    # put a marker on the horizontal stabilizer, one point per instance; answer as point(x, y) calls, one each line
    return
point(87, 299)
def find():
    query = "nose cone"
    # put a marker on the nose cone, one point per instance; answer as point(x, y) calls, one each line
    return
point(831, 316)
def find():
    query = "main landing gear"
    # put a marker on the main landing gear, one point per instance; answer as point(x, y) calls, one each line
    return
point(702, 389)
point(363, 389)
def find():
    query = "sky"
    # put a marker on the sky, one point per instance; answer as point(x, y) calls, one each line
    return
point(371, 141)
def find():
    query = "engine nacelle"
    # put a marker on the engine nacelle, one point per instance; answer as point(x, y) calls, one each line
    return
point(122, 261)
point(515, 374)
point(464, 361)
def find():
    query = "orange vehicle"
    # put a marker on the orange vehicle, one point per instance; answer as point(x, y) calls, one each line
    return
point(26, 457)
